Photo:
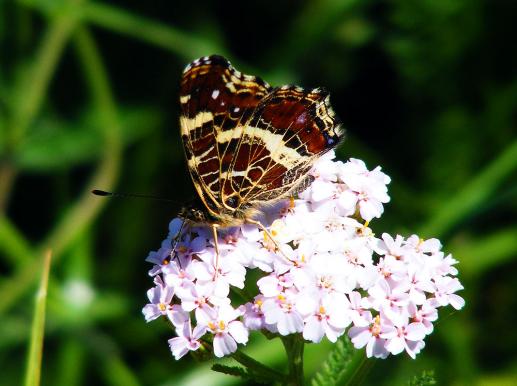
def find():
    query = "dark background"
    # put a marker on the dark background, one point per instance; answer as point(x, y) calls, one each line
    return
point(88, 99)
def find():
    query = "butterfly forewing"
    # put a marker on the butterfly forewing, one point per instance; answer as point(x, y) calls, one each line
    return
point(215, 99)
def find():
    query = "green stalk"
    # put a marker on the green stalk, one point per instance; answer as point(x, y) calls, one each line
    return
point(294, 345)
point(257, 367)
point(33, 372)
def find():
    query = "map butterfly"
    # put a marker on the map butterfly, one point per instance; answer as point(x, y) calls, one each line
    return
point(247, 144)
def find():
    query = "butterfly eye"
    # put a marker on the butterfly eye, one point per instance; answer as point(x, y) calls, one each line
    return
point(232, 202)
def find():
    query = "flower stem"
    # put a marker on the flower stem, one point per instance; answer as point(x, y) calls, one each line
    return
point(294, 345)
point(258, 368)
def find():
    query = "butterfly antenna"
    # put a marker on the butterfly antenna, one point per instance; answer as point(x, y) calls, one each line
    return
point(174, 244)
point(103, 193)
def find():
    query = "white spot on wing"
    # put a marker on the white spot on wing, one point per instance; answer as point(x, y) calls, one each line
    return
point(215, 94)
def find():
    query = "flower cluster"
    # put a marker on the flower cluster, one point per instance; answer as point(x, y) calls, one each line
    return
point(324, 273)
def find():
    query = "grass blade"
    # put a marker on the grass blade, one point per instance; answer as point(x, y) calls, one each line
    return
point(33, 372)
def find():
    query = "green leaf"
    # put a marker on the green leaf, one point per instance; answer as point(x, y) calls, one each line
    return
point(426, 379)
point(336, 364)
point(33, 372)
point(481, 254)
point(232, 370)
point(246, 374)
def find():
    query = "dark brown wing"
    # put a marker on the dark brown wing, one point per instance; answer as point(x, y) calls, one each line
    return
point(289, 129)
point(215, 99)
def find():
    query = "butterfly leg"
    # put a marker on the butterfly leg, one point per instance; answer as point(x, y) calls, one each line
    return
point(216, 245)
point(263, 229)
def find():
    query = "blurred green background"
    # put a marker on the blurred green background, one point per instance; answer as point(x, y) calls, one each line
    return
point(88, 98)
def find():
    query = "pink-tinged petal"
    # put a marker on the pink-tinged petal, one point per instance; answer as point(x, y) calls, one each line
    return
point(415, 332)
point(151, 312)
point(268, 285)
point(227, 313)
point(396, 345)
point(198, 332)
point(347, 202)
point(376, 348)
point(307, 303)
point(238, 332)
point(153, 295)
point(290, 323)
point(175, 226)
point(413, 348)
point(198, 244)
point(235, 275)
point(370, 209)
point(221, 288)
point(272, 314)
point(388, 331)
point(360, 320)
point(456, 301)
point(224, 344)
point(177, 315)
point(322, 190)
point(202, 271)
point(179, 347)
point(333, 333)
point(313, 329)
point(251, 232)
point(359, 336)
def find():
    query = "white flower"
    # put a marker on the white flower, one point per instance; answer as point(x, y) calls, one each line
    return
point(196, 298)
point(326, 169)
point(160, 258)
point(228, 331)
point(187, 339)
point(160, 297)
point(424, 315)
point(392, 247)
point(369, 336)
point(322, 268)
point(222, 272)
point(419, 283)
point(281, 311)
point(390, 300)
point(445, 288)
point(408, 337)
point(328, 317)
point(273, 284)
point(358, 314)
point(366, 190)
point(177, 277)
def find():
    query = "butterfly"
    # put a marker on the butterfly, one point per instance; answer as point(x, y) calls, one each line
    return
point(247, 144)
